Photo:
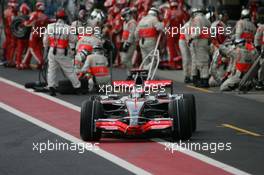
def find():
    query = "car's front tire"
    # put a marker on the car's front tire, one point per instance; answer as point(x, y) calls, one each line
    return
point(91, 110)
point(182, 122)
point(192, 109)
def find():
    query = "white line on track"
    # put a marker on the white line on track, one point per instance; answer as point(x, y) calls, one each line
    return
point(206, 159)
point(193, 154)
point(112, 158)
point(56, 100)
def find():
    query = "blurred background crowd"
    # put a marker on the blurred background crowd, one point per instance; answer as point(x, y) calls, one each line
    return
point(133, 27)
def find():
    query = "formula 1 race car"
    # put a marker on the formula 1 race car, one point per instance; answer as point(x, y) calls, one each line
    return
point(138, 113)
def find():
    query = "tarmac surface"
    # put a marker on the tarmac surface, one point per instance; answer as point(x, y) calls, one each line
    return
point(231, 120)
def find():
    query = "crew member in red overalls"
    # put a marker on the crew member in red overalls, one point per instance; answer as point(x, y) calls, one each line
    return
point(174, 18)
point(22, 44)
point(38, 20)
point(117, 26)
point(109, 5)
point(253, 7)
point(9, 44)
point(143, 7)
point(220, 25)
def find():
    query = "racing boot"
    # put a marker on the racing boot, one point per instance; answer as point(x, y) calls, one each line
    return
point(196, 81)
point(25, 66)
point(187, 80)
point(259, 86)
point(39, 66)
point(204, 83)
point(52, 91)
point(18, 67)
point(10, 65)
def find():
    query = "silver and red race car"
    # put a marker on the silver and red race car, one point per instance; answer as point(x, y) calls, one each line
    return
point(137, 113)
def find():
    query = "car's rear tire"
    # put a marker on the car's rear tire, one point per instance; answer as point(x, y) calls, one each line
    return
point(192, 109)
point(182, 122)
point(91, 110)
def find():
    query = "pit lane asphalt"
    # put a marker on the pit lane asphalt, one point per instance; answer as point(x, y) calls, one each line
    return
point(17, 155)
point(214, 109)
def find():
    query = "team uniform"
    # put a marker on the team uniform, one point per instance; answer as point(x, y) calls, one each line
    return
point(173, 18)
point(242, 60)
point(245, 29)
point(185, 53)
point(61, 44)
point(9, 44)
point(200, 49)
point(85, 43)
point(147, 32)
point(96, 66)
point(219, 26)
point(22, 44)
point(129, 42)
point(37, 21)
point(80, 28)
point(218, 69)
point(259, 43)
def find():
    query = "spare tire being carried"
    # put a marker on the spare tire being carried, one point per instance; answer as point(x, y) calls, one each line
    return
point(18, 30)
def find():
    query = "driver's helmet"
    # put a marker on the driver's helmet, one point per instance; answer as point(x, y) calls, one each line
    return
point(138, 92)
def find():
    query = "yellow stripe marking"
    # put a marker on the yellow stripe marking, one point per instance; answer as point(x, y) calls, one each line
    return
point(199, 89)
point(241, 130)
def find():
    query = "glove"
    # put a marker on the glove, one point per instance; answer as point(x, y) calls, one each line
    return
point(190, 42)
point(216, 43)
point(159, 26)
point(125, 47)
point(261, 52)
point(226, 75)
point(258, 49)
point(72, 53)
point(81, 74)
point(23, 24)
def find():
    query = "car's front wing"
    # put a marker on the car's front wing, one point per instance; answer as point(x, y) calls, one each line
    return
point(117, 125)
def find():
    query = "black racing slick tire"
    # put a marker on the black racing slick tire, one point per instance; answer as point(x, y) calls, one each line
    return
point(18, 30)
point(182, 122)
point(192, 109)
point(91, 110)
